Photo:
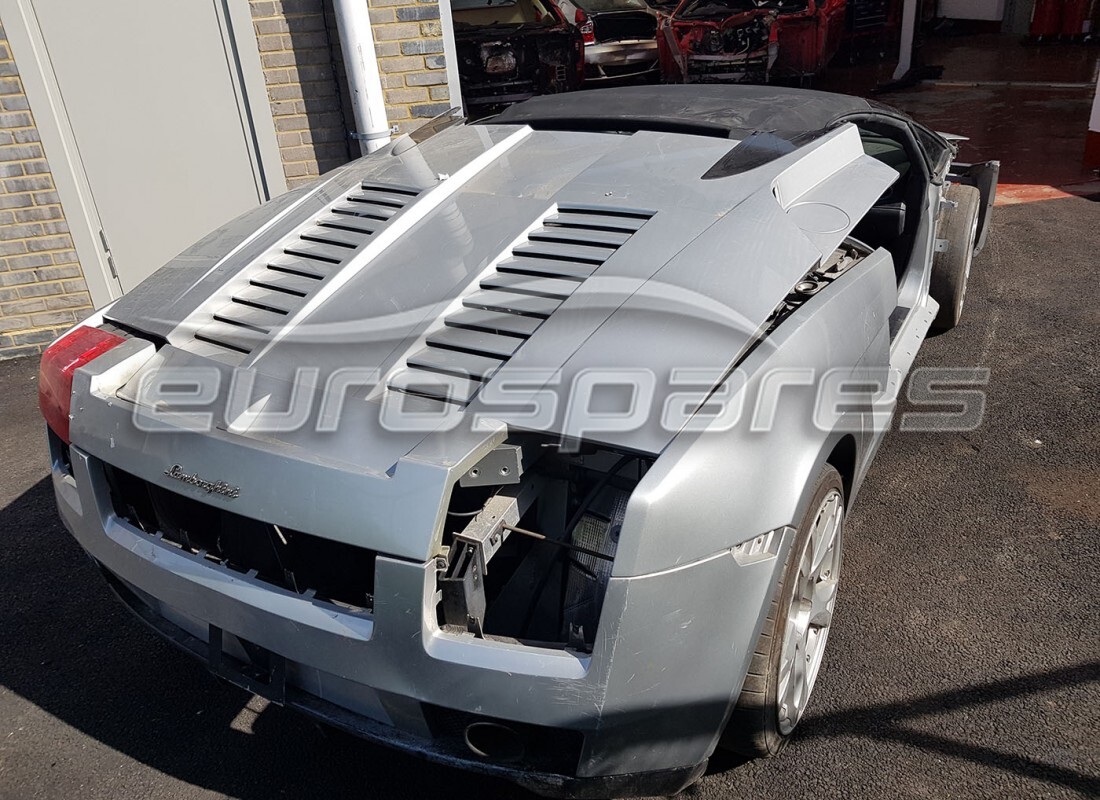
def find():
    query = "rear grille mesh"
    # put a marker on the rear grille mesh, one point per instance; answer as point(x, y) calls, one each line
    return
point(308, 565)
point(511, 303)
point(282, 283)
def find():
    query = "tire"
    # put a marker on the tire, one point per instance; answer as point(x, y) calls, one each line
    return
point(757, 728)
point(958, 226)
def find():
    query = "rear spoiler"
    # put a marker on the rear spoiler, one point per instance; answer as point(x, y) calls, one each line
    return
point(983, 177)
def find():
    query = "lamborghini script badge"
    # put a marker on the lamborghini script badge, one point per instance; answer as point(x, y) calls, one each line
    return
point(217, 487)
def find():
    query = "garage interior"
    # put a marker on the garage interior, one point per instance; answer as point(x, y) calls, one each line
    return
point(1024, 103)
point(966, 659)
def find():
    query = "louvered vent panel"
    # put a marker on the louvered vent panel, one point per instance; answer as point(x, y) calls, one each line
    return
point(282, 284)
point(512, 302)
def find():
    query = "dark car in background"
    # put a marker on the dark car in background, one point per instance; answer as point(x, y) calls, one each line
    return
point(620, 37)
point(510, 50)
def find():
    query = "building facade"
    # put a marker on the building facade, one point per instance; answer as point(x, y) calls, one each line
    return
point(42, 288)
point(48, 281)
point(303, 68)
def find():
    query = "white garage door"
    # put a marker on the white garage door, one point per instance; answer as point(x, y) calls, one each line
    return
point(169, 141)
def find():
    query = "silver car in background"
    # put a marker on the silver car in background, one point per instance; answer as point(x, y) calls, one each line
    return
point(526, 446)
point(620, 38)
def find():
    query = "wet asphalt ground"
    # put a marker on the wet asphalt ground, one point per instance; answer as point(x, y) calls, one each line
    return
point(964, 660)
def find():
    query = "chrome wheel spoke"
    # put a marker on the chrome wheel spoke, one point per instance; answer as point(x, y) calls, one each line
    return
point(823, 536)
point(810, 613)
point(785, 668)
point(821, 607)
point(798, 682)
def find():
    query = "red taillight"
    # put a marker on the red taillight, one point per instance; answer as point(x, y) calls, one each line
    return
point(55, 375)
point(585, 26)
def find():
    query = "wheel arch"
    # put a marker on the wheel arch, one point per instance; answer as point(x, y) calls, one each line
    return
point(754, 480)
point(843, 459)
point(838, 450)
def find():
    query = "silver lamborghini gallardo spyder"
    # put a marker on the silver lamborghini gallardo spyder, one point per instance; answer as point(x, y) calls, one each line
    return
point(526, 445)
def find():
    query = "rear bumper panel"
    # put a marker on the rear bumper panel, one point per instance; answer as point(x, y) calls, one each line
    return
point(368, 726)
point(609, 61)
point(626, 52)
point(638, 731)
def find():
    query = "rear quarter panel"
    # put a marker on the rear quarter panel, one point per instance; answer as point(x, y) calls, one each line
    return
point(717, 487)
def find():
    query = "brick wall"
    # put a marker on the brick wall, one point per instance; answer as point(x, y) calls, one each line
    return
point(42, 289)
point(307, 86)
point(299, 51)
point(409, 43)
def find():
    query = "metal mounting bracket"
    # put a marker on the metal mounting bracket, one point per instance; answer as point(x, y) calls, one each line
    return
point(369, 137)
point(463, 581)
point(501, 466)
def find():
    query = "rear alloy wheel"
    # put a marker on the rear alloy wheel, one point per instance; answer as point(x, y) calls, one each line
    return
point(958, 230)
point(788, 654)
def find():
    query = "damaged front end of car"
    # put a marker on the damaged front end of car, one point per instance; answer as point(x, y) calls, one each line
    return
point(736, 41)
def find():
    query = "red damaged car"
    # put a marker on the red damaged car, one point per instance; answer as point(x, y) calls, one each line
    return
point(748, 41)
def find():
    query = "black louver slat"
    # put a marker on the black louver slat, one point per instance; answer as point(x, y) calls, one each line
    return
point(270, 299)
point(476, 319)
point(547, 267)
point(283, 282)
point(510, 304)
point(557, 288)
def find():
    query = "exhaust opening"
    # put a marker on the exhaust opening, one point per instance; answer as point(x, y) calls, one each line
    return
point(495, 742)
point(492, 740)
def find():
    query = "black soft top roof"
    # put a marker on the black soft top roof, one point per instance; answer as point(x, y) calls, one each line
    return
point(728, 111)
